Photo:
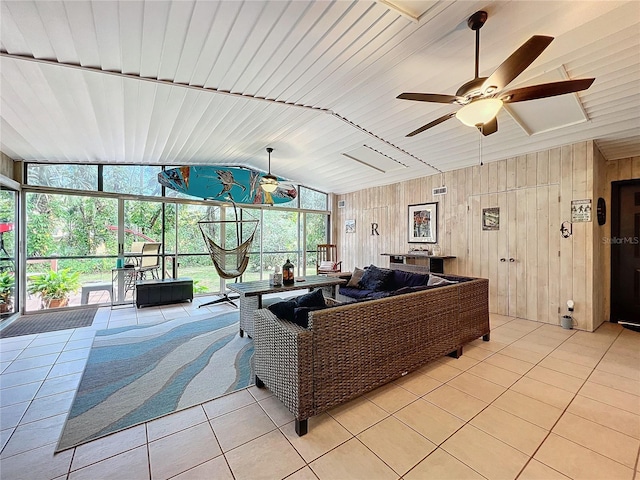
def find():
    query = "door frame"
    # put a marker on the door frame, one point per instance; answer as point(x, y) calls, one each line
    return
point(615, 232)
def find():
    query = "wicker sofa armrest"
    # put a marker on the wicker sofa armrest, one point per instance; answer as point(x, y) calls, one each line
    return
point(283, 361)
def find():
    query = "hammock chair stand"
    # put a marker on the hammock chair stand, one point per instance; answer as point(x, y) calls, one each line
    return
point(229, 263)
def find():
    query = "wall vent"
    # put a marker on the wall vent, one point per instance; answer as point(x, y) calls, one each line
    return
point(341, 203)
point(440, 191)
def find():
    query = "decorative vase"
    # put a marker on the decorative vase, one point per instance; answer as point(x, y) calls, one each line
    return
point(287, 273)
point(275, 279)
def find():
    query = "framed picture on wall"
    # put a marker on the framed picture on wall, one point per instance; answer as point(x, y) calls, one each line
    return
point(350, 226)
point(423, 223)
point(491, 218)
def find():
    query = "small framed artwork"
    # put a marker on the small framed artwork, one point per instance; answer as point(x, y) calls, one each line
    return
point(423, 223)
point(491, 218)
point(581, 210)
point(350, 226)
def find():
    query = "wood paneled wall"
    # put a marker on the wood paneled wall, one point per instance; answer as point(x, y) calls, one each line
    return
point(531, 182)
point(6, 166)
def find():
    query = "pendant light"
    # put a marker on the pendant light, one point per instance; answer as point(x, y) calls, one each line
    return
point(269, 182)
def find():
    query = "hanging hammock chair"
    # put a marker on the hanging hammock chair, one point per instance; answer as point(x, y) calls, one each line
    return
point(230, 263)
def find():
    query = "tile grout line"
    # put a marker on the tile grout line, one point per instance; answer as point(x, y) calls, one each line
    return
point(565, 411)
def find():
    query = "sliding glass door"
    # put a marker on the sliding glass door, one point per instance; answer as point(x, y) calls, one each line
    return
point(8, 249)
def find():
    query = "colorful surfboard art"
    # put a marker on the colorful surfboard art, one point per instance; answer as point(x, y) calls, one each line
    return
point(242, 185)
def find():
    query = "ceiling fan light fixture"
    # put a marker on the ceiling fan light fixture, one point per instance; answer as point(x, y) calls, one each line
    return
point(269, 182)
point(479, 112)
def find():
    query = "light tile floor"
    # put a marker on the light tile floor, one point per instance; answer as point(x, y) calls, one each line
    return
point(536, 402)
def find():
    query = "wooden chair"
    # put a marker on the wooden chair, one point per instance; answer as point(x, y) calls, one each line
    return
point(327, 259)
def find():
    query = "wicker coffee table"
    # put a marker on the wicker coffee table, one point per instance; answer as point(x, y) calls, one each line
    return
point(251, 294)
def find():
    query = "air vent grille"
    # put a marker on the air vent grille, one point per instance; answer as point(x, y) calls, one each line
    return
point(440, 191)
point(341, 203)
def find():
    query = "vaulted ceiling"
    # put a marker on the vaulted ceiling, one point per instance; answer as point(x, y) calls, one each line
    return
point(207, 82)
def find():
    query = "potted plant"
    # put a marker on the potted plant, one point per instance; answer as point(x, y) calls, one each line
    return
point(54, 287)
point(7, 283)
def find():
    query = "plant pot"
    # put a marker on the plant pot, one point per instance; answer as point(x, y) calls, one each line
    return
point(566, 322)
point(57, 302)
point(5, 307)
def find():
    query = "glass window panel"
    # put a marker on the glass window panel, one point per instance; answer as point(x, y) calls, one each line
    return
point(69, 226)
point(78, 177)
point(193, 256)
point(132, 179)
point(280, 240)
point(312, 199)
point(142, 222)
point(317, 233)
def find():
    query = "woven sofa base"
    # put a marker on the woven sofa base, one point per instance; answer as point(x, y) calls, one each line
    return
point(352, 349)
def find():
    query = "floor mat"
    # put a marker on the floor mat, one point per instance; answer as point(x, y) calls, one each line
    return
point(49, 322)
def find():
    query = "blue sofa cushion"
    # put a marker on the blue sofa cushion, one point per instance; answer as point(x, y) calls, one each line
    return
point(284, 310)
point(375, 278)
point(301, 315)
point(401, 279)
point(354, 292)
point(380, 294)
point(289, 310)
point(314, 298)
point(417, 288)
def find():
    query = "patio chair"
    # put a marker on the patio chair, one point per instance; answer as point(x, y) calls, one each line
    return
point(149, 261)
point(133, 255)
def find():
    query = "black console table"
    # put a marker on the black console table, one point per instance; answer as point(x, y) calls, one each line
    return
point(418, 262)
point(163, 291)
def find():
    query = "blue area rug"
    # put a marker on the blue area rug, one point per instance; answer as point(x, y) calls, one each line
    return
point(138, 373)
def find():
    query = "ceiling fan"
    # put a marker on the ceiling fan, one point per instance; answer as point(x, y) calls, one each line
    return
point(483, 97)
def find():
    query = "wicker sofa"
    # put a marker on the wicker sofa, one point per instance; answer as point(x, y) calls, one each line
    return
point(352, 348)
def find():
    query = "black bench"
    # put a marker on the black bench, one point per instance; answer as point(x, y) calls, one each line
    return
point(163, 291)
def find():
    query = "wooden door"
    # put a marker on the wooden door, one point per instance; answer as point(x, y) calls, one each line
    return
point(520, 258)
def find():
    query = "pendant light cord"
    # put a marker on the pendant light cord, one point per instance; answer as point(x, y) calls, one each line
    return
point(480, 147)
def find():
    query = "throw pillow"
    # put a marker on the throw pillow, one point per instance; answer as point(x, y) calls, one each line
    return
point(434, 280)
point(311, 299)
point(355, 277)
point(401, 279)
point(284, 310)
point(327, 265)
point(301, 315)
point(375, 278)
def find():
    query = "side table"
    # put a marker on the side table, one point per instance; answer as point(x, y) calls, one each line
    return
point(123, 281)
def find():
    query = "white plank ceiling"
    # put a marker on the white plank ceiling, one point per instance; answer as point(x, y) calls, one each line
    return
point(204, 82)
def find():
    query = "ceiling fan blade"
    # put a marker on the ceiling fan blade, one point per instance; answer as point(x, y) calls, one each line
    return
point(490, 127)
point(545, 90)
point(432, 124)
point(428, 97)
point(516, 63)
